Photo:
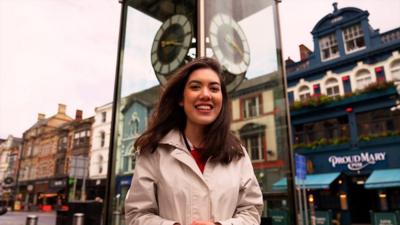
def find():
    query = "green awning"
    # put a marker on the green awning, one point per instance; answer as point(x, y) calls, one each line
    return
point(312, 181)
point(383, 179)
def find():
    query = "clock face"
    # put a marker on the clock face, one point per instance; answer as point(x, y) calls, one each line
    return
point(229, 44)
point(171, 46)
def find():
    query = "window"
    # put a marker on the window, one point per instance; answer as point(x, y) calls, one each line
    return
point(329, 47)
point(81, 138)
point(128, 157)
point(100, 161)
point(252, 136)
point(134, 126)
point(62, 143)
point(304, 93)
point(134, 122)
point(251, 107)
point(60, 166)
point(22, 173)
point(353, 38)
point(363, 79)
point(330, 131)
point(255, 147)
point(102, 138)
point(377, 123)
point(103, 117)
point(332, 87)
point(395, 70)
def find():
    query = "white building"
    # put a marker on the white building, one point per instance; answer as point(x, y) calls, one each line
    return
point(101, 134)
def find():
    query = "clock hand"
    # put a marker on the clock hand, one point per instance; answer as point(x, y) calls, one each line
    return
point(170, 42)
point(230, 40)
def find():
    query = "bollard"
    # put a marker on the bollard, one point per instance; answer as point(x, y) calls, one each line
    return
point(32, 220)
point(117, 217)
point(78, 219)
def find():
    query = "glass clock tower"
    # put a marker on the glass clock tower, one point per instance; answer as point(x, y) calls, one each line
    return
point(156, 38)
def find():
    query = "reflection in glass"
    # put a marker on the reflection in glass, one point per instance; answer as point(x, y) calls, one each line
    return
point(159, 37)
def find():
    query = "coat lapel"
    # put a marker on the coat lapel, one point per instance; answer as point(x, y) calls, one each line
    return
point(180, 153)
point(186, 159)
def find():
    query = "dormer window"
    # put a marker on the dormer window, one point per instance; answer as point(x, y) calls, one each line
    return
point(353, 38)
point(329, 47)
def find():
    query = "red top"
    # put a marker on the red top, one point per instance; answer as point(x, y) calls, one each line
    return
point(196, 155)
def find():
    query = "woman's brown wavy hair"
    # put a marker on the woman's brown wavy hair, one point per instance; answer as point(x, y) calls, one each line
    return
point(220, 145)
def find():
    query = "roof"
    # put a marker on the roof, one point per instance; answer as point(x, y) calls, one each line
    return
point(148, 97)
point(339, 17)
point(252, 84)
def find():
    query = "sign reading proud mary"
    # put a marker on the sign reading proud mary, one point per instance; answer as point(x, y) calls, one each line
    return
point(359, 161)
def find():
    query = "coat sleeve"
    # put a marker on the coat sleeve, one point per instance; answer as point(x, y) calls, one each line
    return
point(141, 206)
point(250, 202)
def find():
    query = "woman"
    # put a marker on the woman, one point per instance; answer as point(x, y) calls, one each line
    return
point(190, 169)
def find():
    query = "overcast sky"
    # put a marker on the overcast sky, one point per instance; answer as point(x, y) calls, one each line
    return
point(65, 51)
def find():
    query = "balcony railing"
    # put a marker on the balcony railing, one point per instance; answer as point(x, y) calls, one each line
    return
point(390, 36)
point(297, 66)
point(320, 137)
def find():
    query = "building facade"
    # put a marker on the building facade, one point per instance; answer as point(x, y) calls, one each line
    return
point(341, 96)
point(72, 170)
point(134, 117)
point(37, 166)
point(254, 122)
point(54, 161)
point(101, 132)
point(10, 150)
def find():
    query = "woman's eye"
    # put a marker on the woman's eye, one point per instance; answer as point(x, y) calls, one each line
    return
point(194, 87)
point(215, 89)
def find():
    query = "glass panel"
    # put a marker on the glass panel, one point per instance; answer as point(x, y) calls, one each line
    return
point(161, 36)
point(248, 54)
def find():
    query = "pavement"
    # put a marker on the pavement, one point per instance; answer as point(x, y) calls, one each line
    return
point(19, 218)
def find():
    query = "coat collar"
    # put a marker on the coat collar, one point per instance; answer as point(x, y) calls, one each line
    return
point(175, 139)
point(180, 152)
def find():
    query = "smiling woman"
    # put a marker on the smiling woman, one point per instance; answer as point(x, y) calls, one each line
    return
point(191, 128)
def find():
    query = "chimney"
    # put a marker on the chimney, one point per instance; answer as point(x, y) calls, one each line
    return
point(61, 109)
point(41, 116)
point(289, 61)
point(78, 114)
point(304, 52)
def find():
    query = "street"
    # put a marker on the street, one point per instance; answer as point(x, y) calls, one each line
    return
point(19, 218)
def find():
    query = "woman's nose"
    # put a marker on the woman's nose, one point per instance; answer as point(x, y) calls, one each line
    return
point(205, 94)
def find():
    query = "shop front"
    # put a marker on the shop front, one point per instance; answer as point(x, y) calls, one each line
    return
point(357, 186)
point(123, 184)
point(96, 189)
point(49, 194)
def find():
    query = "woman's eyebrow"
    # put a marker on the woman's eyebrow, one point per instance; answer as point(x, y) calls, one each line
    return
point(199, 82)
point(215, 83)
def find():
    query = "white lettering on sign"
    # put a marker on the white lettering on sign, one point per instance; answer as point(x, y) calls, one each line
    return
point(357, 162)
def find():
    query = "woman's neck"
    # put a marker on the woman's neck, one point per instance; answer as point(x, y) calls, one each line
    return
point(195, 135)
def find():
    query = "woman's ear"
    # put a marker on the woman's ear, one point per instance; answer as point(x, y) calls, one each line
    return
point(181, 103)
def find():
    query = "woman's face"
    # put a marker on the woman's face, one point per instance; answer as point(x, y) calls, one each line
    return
point(202, 97)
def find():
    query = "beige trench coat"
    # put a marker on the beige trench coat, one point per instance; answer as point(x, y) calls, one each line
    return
point(168, 187)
